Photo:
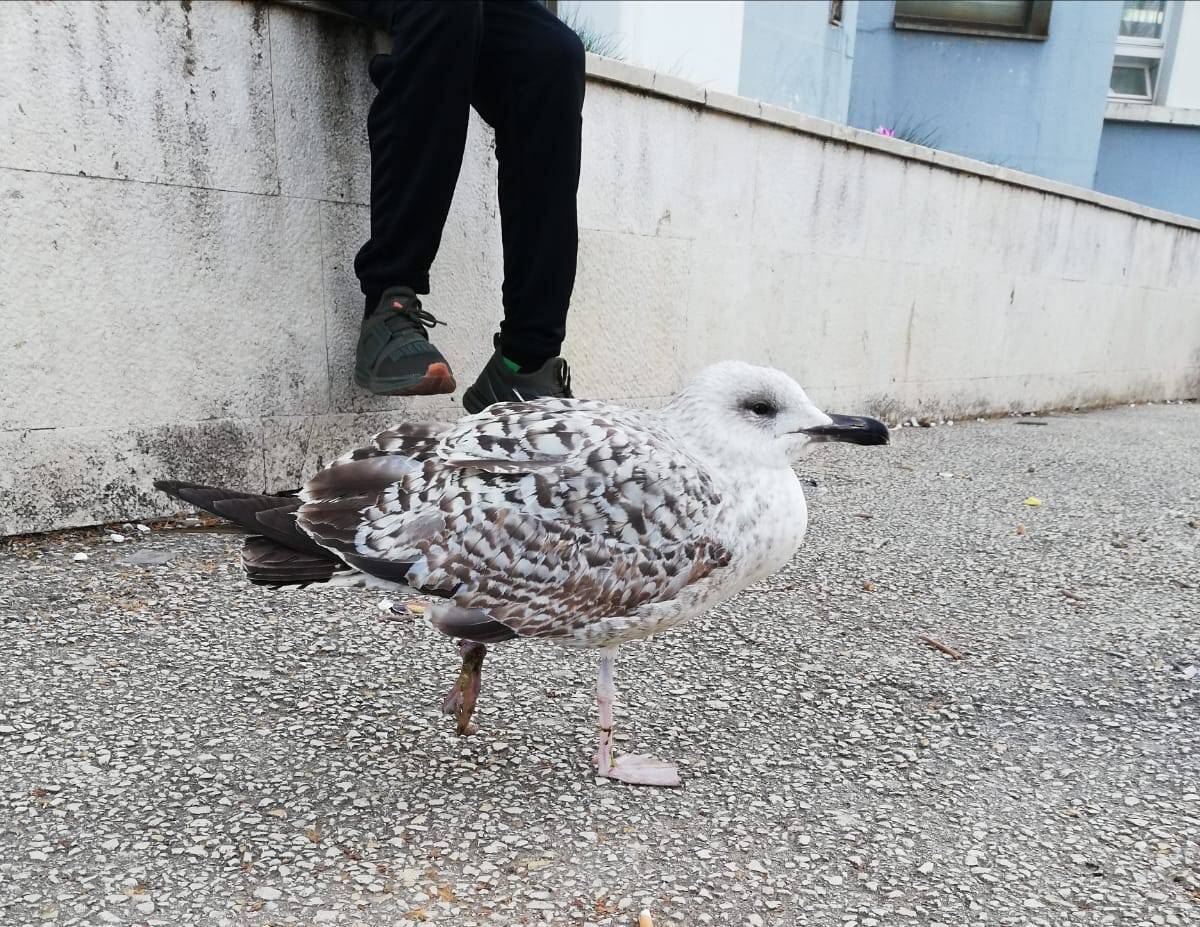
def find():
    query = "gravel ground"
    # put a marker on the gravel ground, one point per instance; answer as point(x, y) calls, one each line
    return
point(181, 748)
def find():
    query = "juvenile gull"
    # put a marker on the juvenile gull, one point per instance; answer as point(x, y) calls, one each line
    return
point(582, 523)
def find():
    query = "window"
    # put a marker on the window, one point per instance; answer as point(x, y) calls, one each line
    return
point(835, 12)
point(1019, 19)
point(1141, 45)
point(1143, 20)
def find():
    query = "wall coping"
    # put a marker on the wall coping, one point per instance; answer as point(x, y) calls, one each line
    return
point(643, 80)
point(1117, 111)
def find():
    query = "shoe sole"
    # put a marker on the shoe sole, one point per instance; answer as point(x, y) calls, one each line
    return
point(436, 380)
point(472, 402)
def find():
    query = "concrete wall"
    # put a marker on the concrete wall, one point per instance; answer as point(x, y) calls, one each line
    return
point(182, 191)
point(1035, 106)
point(1156, 163)
point(793, 56)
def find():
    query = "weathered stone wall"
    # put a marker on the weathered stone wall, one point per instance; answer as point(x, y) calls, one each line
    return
point(183, 189)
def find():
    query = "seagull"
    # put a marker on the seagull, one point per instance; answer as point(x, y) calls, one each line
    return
point(579, 523)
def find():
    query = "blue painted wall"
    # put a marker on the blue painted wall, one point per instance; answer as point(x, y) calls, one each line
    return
point(1158, 165)
point(792, 56)
point(1035, 106)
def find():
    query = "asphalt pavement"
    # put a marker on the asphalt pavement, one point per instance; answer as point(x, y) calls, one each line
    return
point(956, 707)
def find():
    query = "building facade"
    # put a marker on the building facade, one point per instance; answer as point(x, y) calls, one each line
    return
point(1102, 94)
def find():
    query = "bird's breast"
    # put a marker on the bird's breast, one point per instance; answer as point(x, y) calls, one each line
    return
point(762, 523)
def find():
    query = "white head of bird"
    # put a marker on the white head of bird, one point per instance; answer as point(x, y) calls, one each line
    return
point(759, 416)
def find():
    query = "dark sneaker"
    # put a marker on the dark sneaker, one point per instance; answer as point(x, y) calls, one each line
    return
point(497, 383)
point(394, 356)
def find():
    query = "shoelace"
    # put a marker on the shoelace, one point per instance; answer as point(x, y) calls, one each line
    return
point(564, 379)
point(415, 311)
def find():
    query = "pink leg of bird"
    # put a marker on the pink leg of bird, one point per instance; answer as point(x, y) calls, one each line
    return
point(634, 768)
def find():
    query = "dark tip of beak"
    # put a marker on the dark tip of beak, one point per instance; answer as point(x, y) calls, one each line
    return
point(853, 429)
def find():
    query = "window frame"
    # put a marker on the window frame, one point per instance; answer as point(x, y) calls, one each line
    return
point(1036, 26)
point(1156, 53)
point(1151, 77)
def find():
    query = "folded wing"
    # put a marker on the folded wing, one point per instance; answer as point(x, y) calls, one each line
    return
point(534, 517)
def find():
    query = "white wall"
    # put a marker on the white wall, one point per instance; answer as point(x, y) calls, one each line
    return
point(1183, 88)
point(182, 192)
point(697, 40)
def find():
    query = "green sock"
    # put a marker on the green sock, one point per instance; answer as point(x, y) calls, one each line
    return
point(510, 364)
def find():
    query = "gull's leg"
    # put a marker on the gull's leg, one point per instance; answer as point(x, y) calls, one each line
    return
point(606, 694)
point(461, 699)
point(633, 767)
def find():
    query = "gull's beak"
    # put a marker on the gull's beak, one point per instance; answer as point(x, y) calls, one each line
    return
point(854, 429)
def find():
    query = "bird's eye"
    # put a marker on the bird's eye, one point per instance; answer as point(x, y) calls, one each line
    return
point(761, 408)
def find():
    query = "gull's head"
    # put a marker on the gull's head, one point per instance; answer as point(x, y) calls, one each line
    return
point(761, 415)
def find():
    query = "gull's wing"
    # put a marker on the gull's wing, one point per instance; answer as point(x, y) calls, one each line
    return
point(540, 516)
point(416, 440)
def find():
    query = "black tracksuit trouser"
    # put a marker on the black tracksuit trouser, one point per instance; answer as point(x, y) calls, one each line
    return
point(523, 72)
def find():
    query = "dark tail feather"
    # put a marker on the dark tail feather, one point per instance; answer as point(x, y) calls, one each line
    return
point(394, 571)
point(472, 624)
point(278, 522)
point(272, 516)
point(243, 512)
point(203, 497)
point(271, 564)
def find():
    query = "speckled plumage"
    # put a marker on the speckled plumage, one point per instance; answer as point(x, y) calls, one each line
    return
point(578, 521)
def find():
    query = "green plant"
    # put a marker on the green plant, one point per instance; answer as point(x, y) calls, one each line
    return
point(917, 131)
point(594, 41)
